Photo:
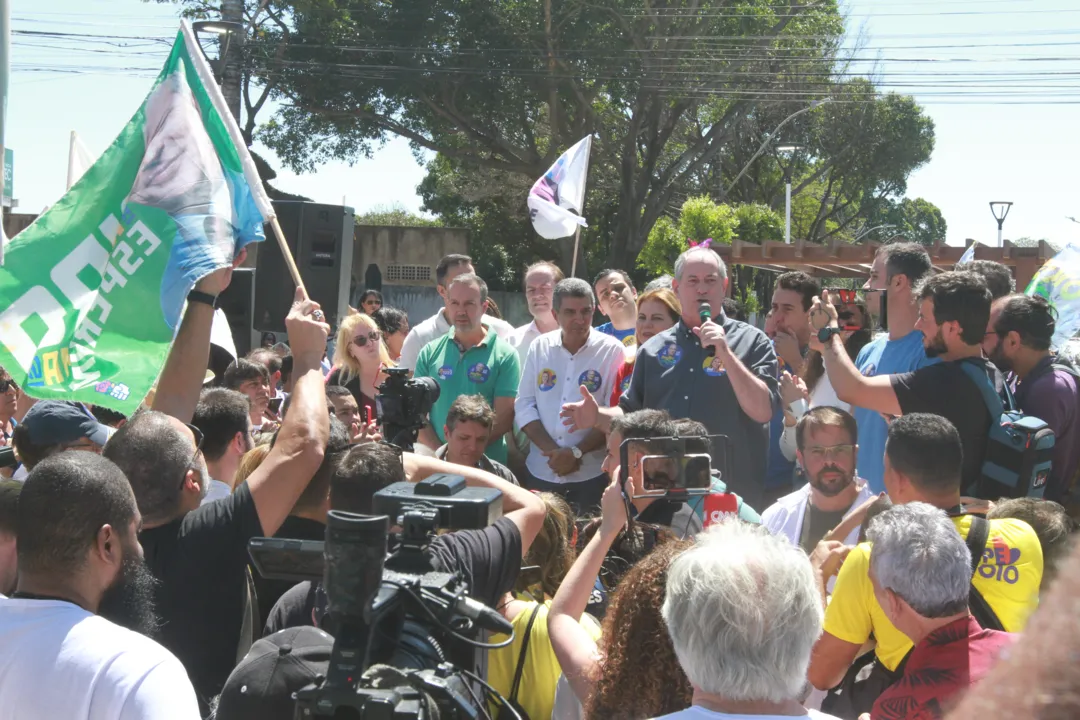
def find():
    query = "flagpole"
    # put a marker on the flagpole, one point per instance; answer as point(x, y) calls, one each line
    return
point(287, 254)
point(71, 161)
point(584, 192)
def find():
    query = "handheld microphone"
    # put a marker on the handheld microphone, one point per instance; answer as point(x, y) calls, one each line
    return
point(705, 314)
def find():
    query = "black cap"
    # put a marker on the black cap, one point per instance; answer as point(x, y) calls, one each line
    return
point(261, 686)
point(58, 422)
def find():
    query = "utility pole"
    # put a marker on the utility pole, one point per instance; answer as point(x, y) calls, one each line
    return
point(233, 57)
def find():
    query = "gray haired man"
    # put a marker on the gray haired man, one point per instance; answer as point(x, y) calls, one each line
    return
point(721, 605)
point(921, 572)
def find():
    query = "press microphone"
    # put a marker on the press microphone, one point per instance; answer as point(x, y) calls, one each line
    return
point(705, 314)
point(484, 616)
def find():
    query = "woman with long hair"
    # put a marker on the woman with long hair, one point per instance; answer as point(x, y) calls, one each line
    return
point(360, 357)
point(370, 301)
point(394, 325)
point(633, 672)
point(657, 310)
point(552, 554)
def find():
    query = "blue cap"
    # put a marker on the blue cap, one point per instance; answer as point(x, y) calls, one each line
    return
point(58, 422)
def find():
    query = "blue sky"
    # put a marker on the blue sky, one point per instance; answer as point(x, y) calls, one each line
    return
point(1000, 78)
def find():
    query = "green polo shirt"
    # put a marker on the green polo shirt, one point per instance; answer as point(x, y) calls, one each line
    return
point(491, 369)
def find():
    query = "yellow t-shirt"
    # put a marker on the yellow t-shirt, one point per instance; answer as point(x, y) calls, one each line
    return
point(536, 692)
point(1008, 578)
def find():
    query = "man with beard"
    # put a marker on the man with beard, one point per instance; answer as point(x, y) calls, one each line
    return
point(954, 309)
point(471, 359)
point(72, 638)
point(1018, 341)
point(827, 441)
point(199, 554)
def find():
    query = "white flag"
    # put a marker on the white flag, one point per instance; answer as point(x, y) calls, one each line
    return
point(560, 190)
point(79, 160)
point(968, 255)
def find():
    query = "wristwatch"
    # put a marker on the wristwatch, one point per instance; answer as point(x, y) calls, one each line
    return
point(826, 333)
point(198, 296)
point(576, 451)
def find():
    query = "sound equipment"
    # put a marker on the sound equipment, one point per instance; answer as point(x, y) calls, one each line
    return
point(321, 240)
point(236, 303)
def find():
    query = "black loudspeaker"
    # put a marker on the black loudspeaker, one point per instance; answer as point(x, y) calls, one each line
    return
point(236, 303)
point(321, 240)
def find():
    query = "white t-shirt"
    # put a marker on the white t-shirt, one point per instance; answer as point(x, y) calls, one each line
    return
point(59, 661)
point(697, 712)
point(217, 491)
point(434, 328)
point(522, 339)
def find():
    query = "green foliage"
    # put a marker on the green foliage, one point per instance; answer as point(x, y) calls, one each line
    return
point(396, 215)
point(758, 223)
point(699, 219)
point(917, 220)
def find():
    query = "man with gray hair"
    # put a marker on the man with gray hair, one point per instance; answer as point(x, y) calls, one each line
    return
point(722, 373)
point(561, 460)
point(921, 572)
point(721, 605)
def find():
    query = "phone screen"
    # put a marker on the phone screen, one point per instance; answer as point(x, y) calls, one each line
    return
point(275, 405)
point(666, 472)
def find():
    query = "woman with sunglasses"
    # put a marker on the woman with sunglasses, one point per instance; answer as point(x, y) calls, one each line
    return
point(359, 359)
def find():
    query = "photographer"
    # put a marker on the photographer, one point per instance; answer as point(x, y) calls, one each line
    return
point(488, 559)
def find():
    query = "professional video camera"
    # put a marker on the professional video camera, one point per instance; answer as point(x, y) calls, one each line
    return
point(404, 634)
point(403, 406)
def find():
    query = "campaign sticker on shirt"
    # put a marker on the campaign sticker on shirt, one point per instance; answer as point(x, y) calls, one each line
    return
point(713, 366)
point(669, 355)
point(479, 373)
point(590, 379)
point(445, 372)
point(546, 379)
point(630, 341)
point(625, 384)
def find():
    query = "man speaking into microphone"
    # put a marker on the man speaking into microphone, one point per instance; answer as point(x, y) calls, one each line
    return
point(709, 368)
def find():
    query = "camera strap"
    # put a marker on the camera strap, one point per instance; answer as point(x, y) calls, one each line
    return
point(523, 655)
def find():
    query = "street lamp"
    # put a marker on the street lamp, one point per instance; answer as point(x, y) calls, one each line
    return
point(789, 151)
point(771, 136)
point(223, 28)
point(1000, 209)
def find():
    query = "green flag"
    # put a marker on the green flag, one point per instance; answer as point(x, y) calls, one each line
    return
point(93, 291)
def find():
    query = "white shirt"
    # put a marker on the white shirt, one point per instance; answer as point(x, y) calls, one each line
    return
point(822, 395)
point(59, 661)
point(696, 712)
point(550, 378)
point(785, 516)
point(434, 328)
point(522, 339)
point(217, 491)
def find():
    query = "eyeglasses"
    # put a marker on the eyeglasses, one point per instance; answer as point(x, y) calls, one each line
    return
point(362, 340)
point(6, 385)
point(198, 449)
point(838, 452)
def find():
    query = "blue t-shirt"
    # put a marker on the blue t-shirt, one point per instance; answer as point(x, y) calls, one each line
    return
point(882, 356)
point(620, 335)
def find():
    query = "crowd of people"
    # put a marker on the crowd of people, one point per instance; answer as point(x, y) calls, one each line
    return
point(701, 519)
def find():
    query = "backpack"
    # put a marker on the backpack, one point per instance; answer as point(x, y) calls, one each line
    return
point(1019, 448)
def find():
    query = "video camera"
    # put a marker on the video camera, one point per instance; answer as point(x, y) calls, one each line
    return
point(404, 633)
point(403, 405)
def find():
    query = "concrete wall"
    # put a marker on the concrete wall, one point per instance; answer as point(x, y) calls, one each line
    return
point(402, 255)
point(423, 302)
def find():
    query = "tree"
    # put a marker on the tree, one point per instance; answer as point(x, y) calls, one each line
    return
point(700, 220)
point(664, 87)
point(917, 220)
point(395, 215)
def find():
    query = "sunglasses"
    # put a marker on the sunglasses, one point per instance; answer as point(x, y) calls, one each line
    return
point(6, 385)
point(362, 340)
point(198, 449)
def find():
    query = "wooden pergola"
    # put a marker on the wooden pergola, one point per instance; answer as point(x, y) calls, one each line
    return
point(837, 259)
